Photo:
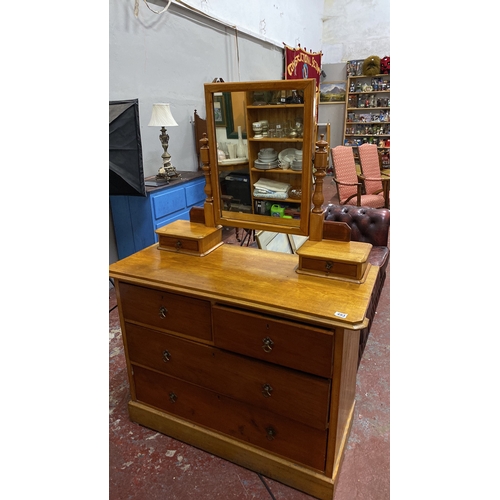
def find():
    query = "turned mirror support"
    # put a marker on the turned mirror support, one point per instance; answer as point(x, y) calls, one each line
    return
point(319, 172)
point(209, 201)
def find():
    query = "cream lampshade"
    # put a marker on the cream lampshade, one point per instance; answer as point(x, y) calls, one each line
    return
point(162, 117)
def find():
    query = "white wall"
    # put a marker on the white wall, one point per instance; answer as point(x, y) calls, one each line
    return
point(290, 21)
point(355, 29)
point(333, 113)
point(168, 58)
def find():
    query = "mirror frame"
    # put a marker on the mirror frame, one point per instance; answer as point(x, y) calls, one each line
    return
point(251, 220)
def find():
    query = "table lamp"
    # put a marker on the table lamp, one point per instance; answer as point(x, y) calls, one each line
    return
point(162, 117)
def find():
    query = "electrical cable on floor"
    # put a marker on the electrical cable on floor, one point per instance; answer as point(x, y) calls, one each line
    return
point(267, 487)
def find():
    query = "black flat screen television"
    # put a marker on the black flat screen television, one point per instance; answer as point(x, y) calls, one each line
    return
point(126, 173)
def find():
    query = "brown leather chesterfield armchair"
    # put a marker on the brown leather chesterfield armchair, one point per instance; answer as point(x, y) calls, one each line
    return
point(370, 225)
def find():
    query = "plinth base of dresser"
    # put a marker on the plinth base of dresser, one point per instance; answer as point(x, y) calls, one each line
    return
point(272, 466)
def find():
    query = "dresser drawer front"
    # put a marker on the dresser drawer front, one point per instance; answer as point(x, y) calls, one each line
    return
point(195, 192)
point(284, 343)
point(175, 243)
point(167, 311)
point(274, 433)
point(293, 394)
point(355, 271)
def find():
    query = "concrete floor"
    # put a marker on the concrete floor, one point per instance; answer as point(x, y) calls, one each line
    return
point(146, 465)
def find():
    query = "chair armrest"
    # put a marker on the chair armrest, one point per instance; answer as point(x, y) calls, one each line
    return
point(361, 176)
point(346, 183)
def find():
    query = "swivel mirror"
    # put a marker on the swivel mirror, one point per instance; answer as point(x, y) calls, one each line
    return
point(261, 142)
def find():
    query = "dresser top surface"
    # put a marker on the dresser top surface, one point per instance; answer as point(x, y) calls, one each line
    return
point(176, 181)
point(344, 251)
point(252, 278)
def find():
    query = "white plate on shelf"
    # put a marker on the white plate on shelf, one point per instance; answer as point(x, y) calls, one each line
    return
point(265, 165)
point(233, 161)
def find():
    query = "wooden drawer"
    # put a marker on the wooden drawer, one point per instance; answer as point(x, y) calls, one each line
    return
point(195, 192)
point(169, 202)
point(167, 311)
point(293, 394)
point(274, 433)
point(190, 238)
point(345, 260)
point(297, 346)
point(355, 271)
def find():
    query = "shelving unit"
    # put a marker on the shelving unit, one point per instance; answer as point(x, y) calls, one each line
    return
point(300, 137)
point(367, 115)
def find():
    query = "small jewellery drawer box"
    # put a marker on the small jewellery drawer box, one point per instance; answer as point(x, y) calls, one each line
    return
point(344, 260)
point(189, 237)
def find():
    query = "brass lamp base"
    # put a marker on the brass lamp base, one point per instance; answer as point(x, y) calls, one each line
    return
point(167, 171)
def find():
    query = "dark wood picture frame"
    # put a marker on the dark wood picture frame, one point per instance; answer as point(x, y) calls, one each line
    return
point(220, 115)
point(231, 130)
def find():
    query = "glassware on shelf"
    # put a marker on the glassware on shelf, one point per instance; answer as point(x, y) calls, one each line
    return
point(296, 98)
point(265, 128)
point(220, 153)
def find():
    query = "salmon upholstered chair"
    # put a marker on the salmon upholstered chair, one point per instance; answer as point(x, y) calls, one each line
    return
point(370, 170)
point(346, 179)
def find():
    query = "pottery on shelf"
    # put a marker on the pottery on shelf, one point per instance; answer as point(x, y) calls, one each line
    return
point(241, 151)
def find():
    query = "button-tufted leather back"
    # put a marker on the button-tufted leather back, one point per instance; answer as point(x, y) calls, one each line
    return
point(370, 225)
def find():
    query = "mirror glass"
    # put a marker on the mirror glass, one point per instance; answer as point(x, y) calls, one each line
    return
point(261, 142)
point(235, 112)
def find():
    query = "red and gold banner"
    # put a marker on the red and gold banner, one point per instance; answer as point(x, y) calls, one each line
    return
point(300, 64)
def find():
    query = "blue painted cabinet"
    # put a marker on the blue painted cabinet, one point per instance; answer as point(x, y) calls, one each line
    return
point(136, 218)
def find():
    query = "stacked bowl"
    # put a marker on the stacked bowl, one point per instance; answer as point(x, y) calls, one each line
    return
point(267, 159)
point(297, 161)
